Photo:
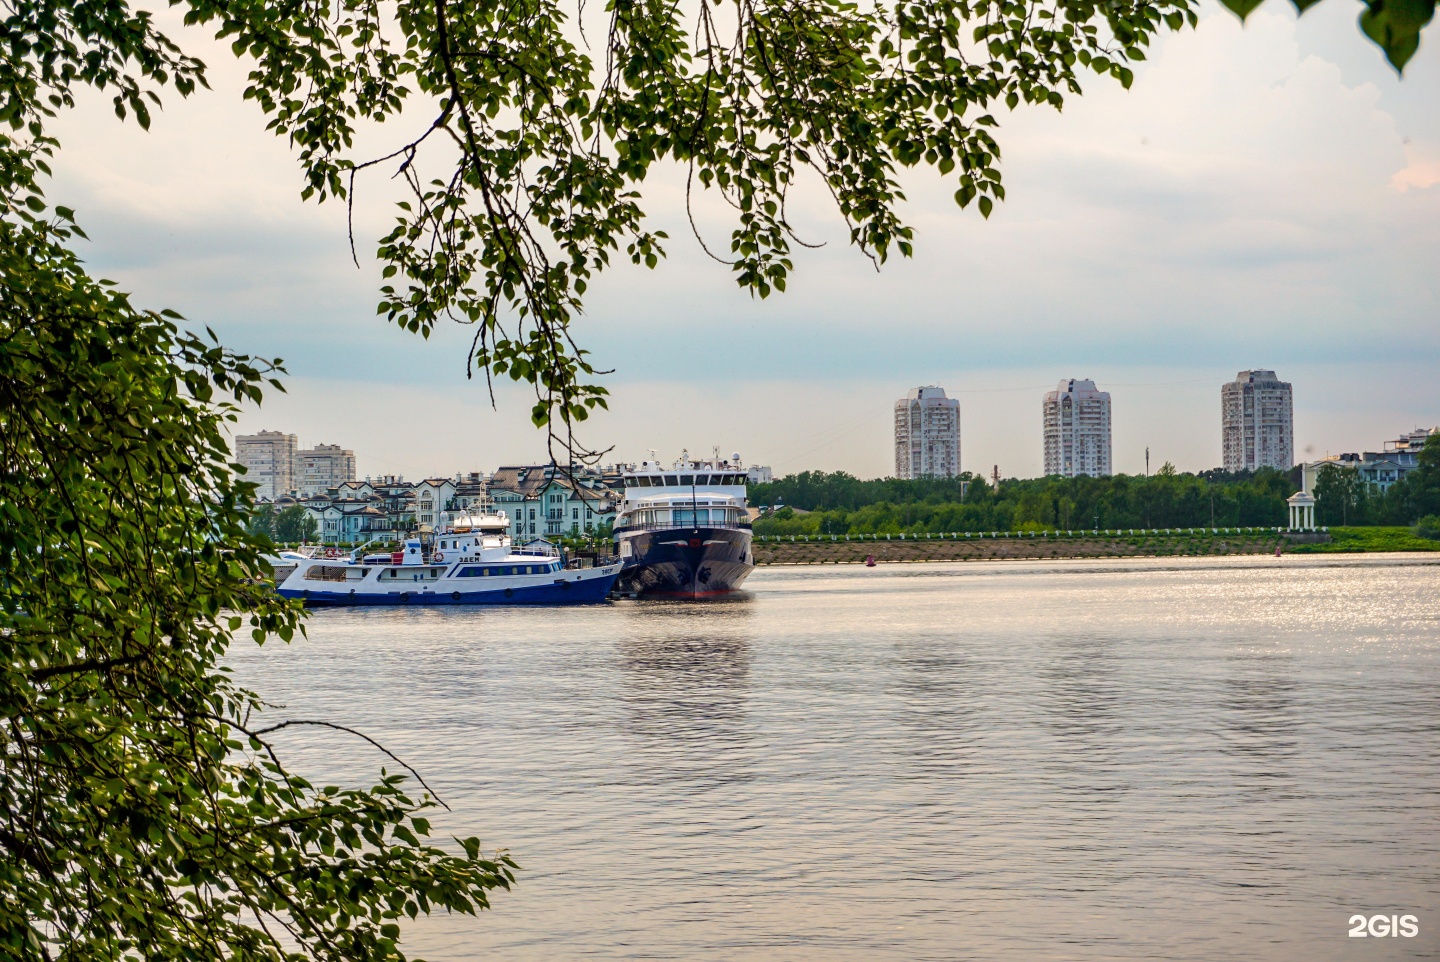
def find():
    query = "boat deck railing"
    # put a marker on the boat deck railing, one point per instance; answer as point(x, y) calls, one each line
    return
point(672, 526)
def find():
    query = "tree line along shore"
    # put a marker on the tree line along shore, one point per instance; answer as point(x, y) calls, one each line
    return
point(1017, 546)
point(819, 504)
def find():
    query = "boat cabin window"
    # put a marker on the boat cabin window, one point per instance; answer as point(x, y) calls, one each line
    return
point(334, 573)
point(672, 481)
point(411, 573)
point(499, 571)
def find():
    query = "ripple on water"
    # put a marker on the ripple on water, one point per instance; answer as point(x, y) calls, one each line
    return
point(1203, 759)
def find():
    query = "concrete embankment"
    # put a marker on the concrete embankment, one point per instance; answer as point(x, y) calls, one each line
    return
point(949, 548)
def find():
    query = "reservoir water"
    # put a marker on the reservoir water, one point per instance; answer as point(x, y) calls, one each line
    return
point(1148, 759)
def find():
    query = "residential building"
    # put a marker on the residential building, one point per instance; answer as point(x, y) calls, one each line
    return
point(759, 474)
point(1076, 418)
point(543, 502)
point(269, 461)
point(1378, 470)
point(927, 434)
point(349, 521)
point(1407, 447)
point(323, 467)
point(396, 497)
point(354, 489)
point(470, 489)
point(432, 496)
point(1257, 422)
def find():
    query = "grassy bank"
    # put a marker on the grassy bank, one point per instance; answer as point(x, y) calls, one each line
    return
point(1114, 544)
point(1350, 540)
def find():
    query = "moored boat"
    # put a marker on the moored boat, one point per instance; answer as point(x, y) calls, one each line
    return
point(684, 531)
point(468, 562)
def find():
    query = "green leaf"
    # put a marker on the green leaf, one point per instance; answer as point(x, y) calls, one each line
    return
point(1395, 25)
point(1241, 8)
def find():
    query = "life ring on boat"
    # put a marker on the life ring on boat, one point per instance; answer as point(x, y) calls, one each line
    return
point(439, 557)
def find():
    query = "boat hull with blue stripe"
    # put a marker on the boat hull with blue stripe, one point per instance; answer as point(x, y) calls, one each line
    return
point(588, 586)
point(472, 562)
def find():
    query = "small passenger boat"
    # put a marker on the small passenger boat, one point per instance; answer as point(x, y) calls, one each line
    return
point(469, 562)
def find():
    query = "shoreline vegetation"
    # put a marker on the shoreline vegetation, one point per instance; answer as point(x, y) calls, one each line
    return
point(1031, 546)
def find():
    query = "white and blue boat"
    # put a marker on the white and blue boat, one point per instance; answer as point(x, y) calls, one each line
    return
point(469, 562)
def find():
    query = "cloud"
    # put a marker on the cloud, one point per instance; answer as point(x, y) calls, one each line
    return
point(1262, 196)
point(1421, 170)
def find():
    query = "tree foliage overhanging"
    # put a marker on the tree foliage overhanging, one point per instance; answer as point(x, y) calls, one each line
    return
point(528, 139)
point(146, 810)
point(841, 504)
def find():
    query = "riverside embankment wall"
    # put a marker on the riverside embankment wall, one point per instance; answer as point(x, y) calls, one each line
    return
point(1180, 543)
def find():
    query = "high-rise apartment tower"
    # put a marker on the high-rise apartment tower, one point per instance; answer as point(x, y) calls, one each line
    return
point(323, 467)
point(927, 434)
point(269, 460)
point(1257, 422)
point(1077, 429)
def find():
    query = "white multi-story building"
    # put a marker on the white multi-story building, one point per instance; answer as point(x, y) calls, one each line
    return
point(323, 467)
point(545, 503)
point(1077, 429)
point(1257, 422)
point(759, 474)
point(927, 434)
point(269, 461)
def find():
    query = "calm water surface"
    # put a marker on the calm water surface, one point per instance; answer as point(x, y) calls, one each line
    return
point(1204, 759)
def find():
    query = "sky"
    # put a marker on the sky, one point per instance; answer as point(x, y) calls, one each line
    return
point(1264, 196)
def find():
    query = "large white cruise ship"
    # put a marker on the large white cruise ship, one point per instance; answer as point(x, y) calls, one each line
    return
point(684, 531)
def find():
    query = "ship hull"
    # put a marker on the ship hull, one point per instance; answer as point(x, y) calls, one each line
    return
point(684, 562)
point(585, 587)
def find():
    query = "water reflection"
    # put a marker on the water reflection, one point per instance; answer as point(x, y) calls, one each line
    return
point(942, 694)
point(1260, 720)
point(684, 683)
point(1083, 693)
point(1147, 760)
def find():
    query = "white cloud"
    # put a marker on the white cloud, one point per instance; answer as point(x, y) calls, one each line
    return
point(1421, 170)
point(1263, 196)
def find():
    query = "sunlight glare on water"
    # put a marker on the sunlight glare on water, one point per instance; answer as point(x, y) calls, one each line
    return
point(1194, 759)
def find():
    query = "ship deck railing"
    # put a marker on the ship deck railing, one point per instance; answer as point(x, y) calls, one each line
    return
point(672, 526)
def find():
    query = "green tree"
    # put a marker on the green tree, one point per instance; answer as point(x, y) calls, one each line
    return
point(1338, 492)
point(145, 814)
point(146, 810)
point(262, 521)
point(1423, 482)
point(294, 524)
point(538, 146)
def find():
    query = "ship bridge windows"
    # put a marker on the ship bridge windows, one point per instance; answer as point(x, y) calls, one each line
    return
point(706, 515)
